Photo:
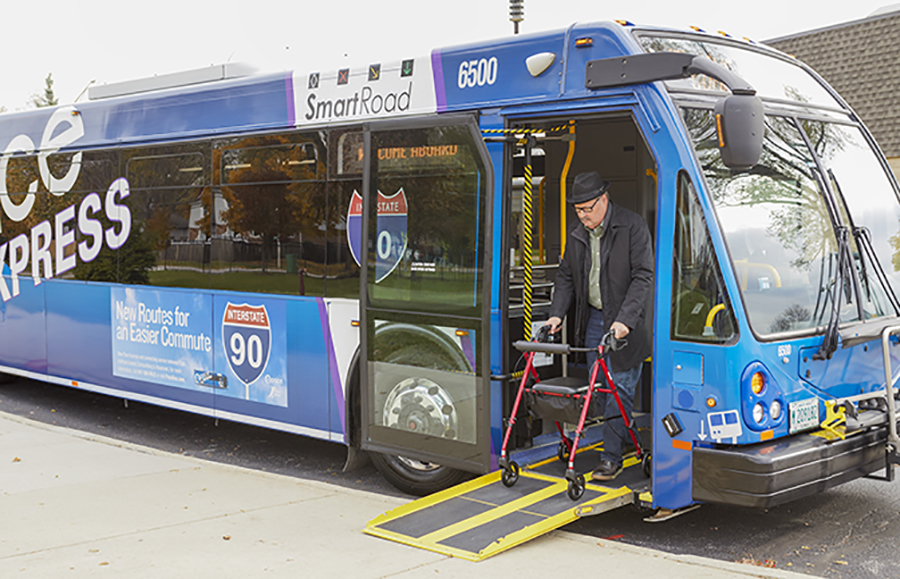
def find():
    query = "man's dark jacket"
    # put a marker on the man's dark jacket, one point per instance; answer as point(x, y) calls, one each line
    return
point(626, 283)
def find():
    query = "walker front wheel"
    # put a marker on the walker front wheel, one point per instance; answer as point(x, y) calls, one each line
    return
point(576, 488)
point(510, 474)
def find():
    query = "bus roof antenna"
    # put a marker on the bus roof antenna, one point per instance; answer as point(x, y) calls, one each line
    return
point(516, 13)
point(84, 90)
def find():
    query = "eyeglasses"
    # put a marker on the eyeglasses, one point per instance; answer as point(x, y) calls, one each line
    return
point(586, 210)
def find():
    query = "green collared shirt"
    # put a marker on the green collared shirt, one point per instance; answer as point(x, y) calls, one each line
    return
point(594, 278)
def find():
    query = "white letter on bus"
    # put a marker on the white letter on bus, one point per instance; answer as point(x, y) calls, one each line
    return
point(120, 213)
point(51, 144)
point(64, 239)
point(18, 245)
point(89, 227)
point(41, 238)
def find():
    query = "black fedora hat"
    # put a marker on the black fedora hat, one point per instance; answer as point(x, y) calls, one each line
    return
point(587, 186)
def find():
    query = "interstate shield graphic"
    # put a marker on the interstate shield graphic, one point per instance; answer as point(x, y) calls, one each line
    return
point(247, 337)
point(391, 241)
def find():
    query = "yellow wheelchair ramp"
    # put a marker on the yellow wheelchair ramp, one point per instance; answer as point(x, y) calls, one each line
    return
point(482, 517)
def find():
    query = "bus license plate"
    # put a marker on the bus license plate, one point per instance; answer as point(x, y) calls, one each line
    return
point(804, 414)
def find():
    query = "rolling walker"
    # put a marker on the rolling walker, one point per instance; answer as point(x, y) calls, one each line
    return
point(571, 397)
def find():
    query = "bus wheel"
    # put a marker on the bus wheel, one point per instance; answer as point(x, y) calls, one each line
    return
point(416, 477)
point(420, 405)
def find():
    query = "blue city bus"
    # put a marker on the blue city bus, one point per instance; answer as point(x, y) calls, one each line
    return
point(349, 254)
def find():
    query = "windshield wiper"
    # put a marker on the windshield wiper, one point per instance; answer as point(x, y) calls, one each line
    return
point(863, 238)
point(843, 278)
point(845, 275)
point(840, 286)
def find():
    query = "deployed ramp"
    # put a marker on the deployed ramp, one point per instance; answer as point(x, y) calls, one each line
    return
point(482, 517)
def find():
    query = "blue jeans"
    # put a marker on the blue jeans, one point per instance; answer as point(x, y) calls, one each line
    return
point(613, 430)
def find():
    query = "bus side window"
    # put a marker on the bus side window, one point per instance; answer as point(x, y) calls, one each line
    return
point(169, 189)
point(702, 311)
point(270, 218)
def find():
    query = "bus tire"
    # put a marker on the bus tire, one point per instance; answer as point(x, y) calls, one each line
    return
point(416, 477)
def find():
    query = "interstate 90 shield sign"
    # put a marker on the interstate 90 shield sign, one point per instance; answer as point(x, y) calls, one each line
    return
point(391, 241)
point(251, 349)
point(247, 337)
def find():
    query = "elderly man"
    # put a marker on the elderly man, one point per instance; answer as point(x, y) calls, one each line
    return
point(608, 272)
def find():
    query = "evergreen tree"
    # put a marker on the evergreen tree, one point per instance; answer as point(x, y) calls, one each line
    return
point(48, 99)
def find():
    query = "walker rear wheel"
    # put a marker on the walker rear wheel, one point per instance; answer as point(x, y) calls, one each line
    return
point(647, 464)
point(562, 451)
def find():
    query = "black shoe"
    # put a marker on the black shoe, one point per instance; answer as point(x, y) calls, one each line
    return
point(606, 470)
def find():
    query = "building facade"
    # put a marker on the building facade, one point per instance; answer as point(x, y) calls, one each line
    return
point(858, 59)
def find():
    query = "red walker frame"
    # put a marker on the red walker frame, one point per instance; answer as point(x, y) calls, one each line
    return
point(567, 448)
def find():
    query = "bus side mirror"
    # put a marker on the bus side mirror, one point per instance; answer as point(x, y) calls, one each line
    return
point(739, 122)
point(739, 118)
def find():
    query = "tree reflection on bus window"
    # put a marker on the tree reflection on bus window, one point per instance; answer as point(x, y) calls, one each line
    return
point(271, 220)
point(25, 187)
point(169, 192)
point(780, 238)
point(860, 181)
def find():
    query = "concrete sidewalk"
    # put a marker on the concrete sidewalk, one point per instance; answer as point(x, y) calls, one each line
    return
point(78, 505)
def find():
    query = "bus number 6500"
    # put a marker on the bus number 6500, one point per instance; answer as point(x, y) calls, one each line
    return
point(478, 72)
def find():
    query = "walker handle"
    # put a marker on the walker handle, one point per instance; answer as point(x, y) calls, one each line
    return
point(611, 342)
point(543, 347)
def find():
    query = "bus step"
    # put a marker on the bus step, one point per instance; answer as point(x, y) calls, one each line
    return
point(481, 517)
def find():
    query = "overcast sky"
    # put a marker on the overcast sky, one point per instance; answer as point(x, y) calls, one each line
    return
point(109, 41)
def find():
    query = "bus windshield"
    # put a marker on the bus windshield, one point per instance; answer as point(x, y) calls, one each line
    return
point(780, 230)
point(773, 78)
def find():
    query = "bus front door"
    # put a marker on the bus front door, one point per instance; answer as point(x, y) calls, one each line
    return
point(424, 360)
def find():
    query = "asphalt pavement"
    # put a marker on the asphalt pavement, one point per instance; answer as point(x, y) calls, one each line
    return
point(74, 504)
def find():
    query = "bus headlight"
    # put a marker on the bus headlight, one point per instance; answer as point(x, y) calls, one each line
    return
point(759, 412)
point(762, 400)
point(775, 410)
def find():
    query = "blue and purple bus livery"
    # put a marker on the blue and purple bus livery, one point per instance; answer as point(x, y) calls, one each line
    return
point(349, 254)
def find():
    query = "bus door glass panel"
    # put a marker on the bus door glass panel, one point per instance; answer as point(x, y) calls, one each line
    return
point(859, 181)
point(425, 283)
point(270, 215)
point(777, 227)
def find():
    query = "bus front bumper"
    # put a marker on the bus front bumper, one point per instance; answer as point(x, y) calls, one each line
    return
point(772, 473)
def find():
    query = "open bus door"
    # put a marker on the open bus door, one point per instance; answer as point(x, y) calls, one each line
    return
point(555, 152)
point(424, 215)
point(485, 516)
